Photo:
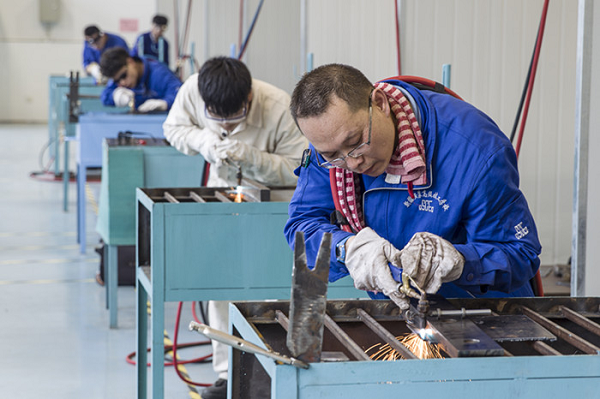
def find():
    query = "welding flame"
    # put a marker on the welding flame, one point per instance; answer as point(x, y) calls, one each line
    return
point(238, 198)
point(421, 349)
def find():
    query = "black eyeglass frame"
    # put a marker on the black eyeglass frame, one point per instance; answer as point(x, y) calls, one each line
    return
point(121, 76)
point(338, 162)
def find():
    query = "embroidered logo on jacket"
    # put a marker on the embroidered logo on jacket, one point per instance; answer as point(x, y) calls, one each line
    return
point(521, 231)
point(426, 201)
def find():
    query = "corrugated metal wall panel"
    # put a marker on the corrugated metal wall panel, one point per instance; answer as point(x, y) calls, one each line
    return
point(489, 44)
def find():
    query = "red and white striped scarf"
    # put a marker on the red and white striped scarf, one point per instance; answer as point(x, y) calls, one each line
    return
point(408, 159)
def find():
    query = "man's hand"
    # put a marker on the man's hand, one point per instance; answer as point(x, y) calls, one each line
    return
point(236, 152)
point(430, 261)
point(367, 258)
point(123, 96)
point(205, 143)
point(153, 105)
point(93, 69)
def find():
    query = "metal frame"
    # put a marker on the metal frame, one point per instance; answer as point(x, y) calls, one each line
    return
point(197, 251)
point(498, 377)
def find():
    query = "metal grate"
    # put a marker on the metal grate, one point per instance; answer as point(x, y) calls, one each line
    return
point(515, 327)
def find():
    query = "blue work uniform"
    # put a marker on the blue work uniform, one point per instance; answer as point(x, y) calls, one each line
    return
point(157, 82)
point(91, 54)
point(146, 47)
point(471, 199)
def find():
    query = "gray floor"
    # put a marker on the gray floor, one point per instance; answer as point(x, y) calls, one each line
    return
point(54, 324)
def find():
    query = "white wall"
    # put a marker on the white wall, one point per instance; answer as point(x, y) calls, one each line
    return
point(488, 43)
point(30, 51)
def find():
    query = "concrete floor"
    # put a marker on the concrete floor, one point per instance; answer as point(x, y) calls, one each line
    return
point(54, 323)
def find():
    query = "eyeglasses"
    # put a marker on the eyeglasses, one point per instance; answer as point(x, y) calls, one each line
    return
point(233, 119)
point(93, 40)
point(356, 152)
point(121, 77)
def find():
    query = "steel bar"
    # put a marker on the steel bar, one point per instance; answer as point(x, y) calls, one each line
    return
point(282, 320)
point(169, 197)
point(196, 197)
point(221, 197)
point(462, 312)
point(562, 332)
point(345, 339)
point(385, 335)
point(580, 320)
point(544, 348)
point(243, 345)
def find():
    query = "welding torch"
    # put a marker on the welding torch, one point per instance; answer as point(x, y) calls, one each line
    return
point(415, 319)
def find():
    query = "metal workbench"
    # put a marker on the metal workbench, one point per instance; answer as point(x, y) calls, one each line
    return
point(560, 371)
point(129, 163)
point(197, 251)
point(92, 129)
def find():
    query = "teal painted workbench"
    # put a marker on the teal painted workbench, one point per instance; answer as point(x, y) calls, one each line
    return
point(525, 374)
point(126, 166)
point(60, 126)
point(195, 251)
point(92, 129)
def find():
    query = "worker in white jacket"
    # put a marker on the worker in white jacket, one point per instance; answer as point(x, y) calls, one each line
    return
point(234, 122)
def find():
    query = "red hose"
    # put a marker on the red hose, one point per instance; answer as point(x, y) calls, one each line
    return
point(175, 362)
point(424, 81)
point(398, 55)
point(536, 57)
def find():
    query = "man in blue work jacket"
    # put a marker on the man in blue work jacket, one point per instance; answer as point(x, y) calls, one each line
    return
point(145, 85)
point(152, 44)
point(96, 43)
point(422, 181)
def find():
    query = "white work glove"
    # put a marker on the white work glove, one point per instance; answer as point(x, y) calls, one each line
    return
point(205, 143)
point(367, 258)
point(430, 261)
point(123, 96)
point(153, 105)
point(237, 152)
point(93, 69)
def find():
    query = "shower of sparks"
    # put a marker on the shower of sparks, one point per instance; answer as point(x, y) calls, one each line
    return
point(421, 349)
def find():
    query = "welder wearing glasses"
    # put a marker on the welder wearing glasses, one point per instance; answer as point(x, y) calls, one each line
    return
point(97, 42)
point(145, 85)
point(421, 180)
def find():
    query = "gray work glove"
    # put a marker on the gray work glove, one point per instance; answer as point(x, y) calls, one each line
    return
point(154, 104)
point(367, 258)
point(430, 261)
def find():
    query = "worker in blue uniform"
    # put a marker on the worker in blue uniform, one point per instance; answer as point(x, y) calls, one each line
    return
point(145, 85)
point(152, 44)
point(425, 182)
point(96, 43)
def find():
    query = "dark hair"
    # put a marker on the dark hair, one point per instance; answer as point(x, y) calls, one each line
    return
point(312, 94)
point(91, 30)
point(160, 20)
point(112, 60)
point(224, 85)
